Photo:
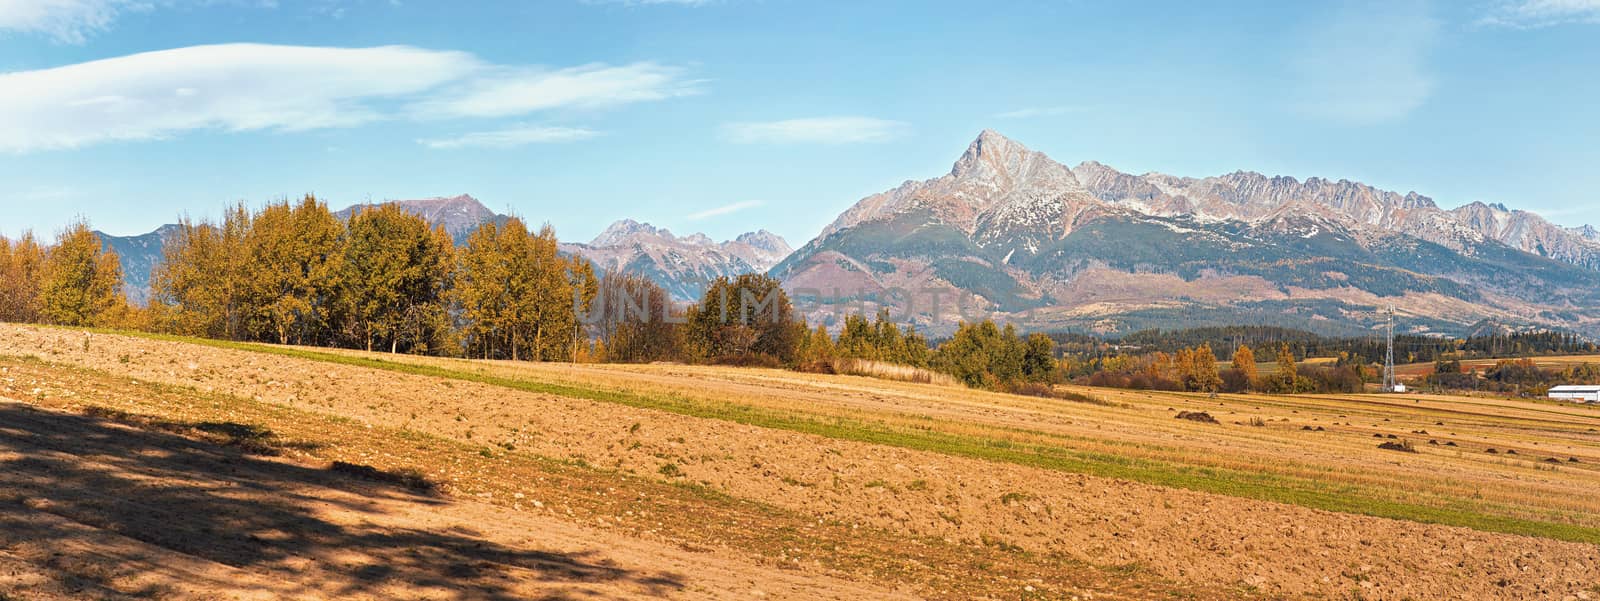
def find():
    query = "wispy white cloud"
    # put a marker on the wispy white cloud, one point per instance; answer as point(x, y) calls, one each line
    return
point(724, 210)
point(74, 21)
point(1041, 111)
point(511, 137)
point(252, 87)
point(513, 91)
point(1366, 64)
point(819, 130)
point(1533, 14)
point(69, 21)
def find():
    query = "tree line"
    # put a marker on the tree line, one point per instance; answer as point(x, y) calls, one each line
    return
point(1409, 348)
point(750, 320)
point(72, 281)
point(1510, 376)
point(1197, 369)
point(384, 279)
point(295, 273)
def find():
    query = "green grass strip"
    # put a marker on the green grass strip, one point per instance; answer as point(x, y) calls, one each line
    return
point(1250, 485)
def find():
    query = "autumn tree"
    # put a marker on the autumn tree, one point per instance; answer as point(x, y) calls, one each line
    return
point(483, 291)
point(1244, 367)
point(293, 256)
point(746, 318)
point(818, 346)
point(393, 277)
point(1201, 370)
point(81, 280)
point(519, 296)
point(585, 292)
point(983, 355)
point(633, 318)
point(1287, 378)
point(1039, 359)
point(201, 286)
point(21, 268)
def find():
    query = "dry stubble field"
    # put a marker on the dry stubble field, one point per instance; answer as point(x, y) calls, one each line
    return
point(177, 469)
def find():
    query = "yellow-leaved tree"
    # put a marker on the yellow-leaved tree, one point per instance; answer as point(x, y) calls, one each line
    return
point(1244, 366)
point(21, 266)
point(393, 280)
point(81, 282)
point(202, 285)
point(294, 255)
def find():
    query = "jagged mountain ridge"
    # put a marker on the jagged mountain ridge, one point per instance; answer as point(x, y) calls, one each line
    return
point(1008, 184)
point(681, 265)
point(1246, 195)
point(1090, 245)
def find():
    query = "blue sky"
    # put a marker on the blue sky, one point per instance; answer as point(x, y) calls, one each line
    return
point(725, 116)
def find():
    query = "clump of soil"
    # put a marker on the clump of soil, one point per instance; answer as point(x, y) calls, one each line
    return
point(1403, 446)
point(1197, 416)
point(1491, 451)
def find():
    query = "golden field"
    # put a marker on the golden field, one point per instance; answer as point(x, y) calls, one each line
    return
point(698, 482)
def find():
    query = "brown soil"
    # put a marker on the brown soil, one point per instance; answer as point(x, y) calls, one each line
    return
point(761, 550)
point(94, 509)
point(1208, 540)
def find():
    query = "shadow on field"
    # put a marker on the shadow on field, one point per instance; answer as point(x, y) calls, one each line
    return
point(222, 502)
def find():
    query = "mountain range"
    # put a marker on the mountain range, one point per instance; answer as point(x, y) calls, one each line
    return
point(1089, 247)
point(681, 265)
point(1011, 234)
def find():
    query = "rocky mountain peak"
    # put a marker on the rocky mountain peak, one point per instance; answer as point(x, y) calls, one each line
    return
point(766, 241)
point(621, 231)
point(1412, 200)
point(993, 155)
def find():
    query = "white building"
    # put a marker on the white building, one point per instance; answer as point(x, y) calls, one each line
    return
point(1579, 394)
